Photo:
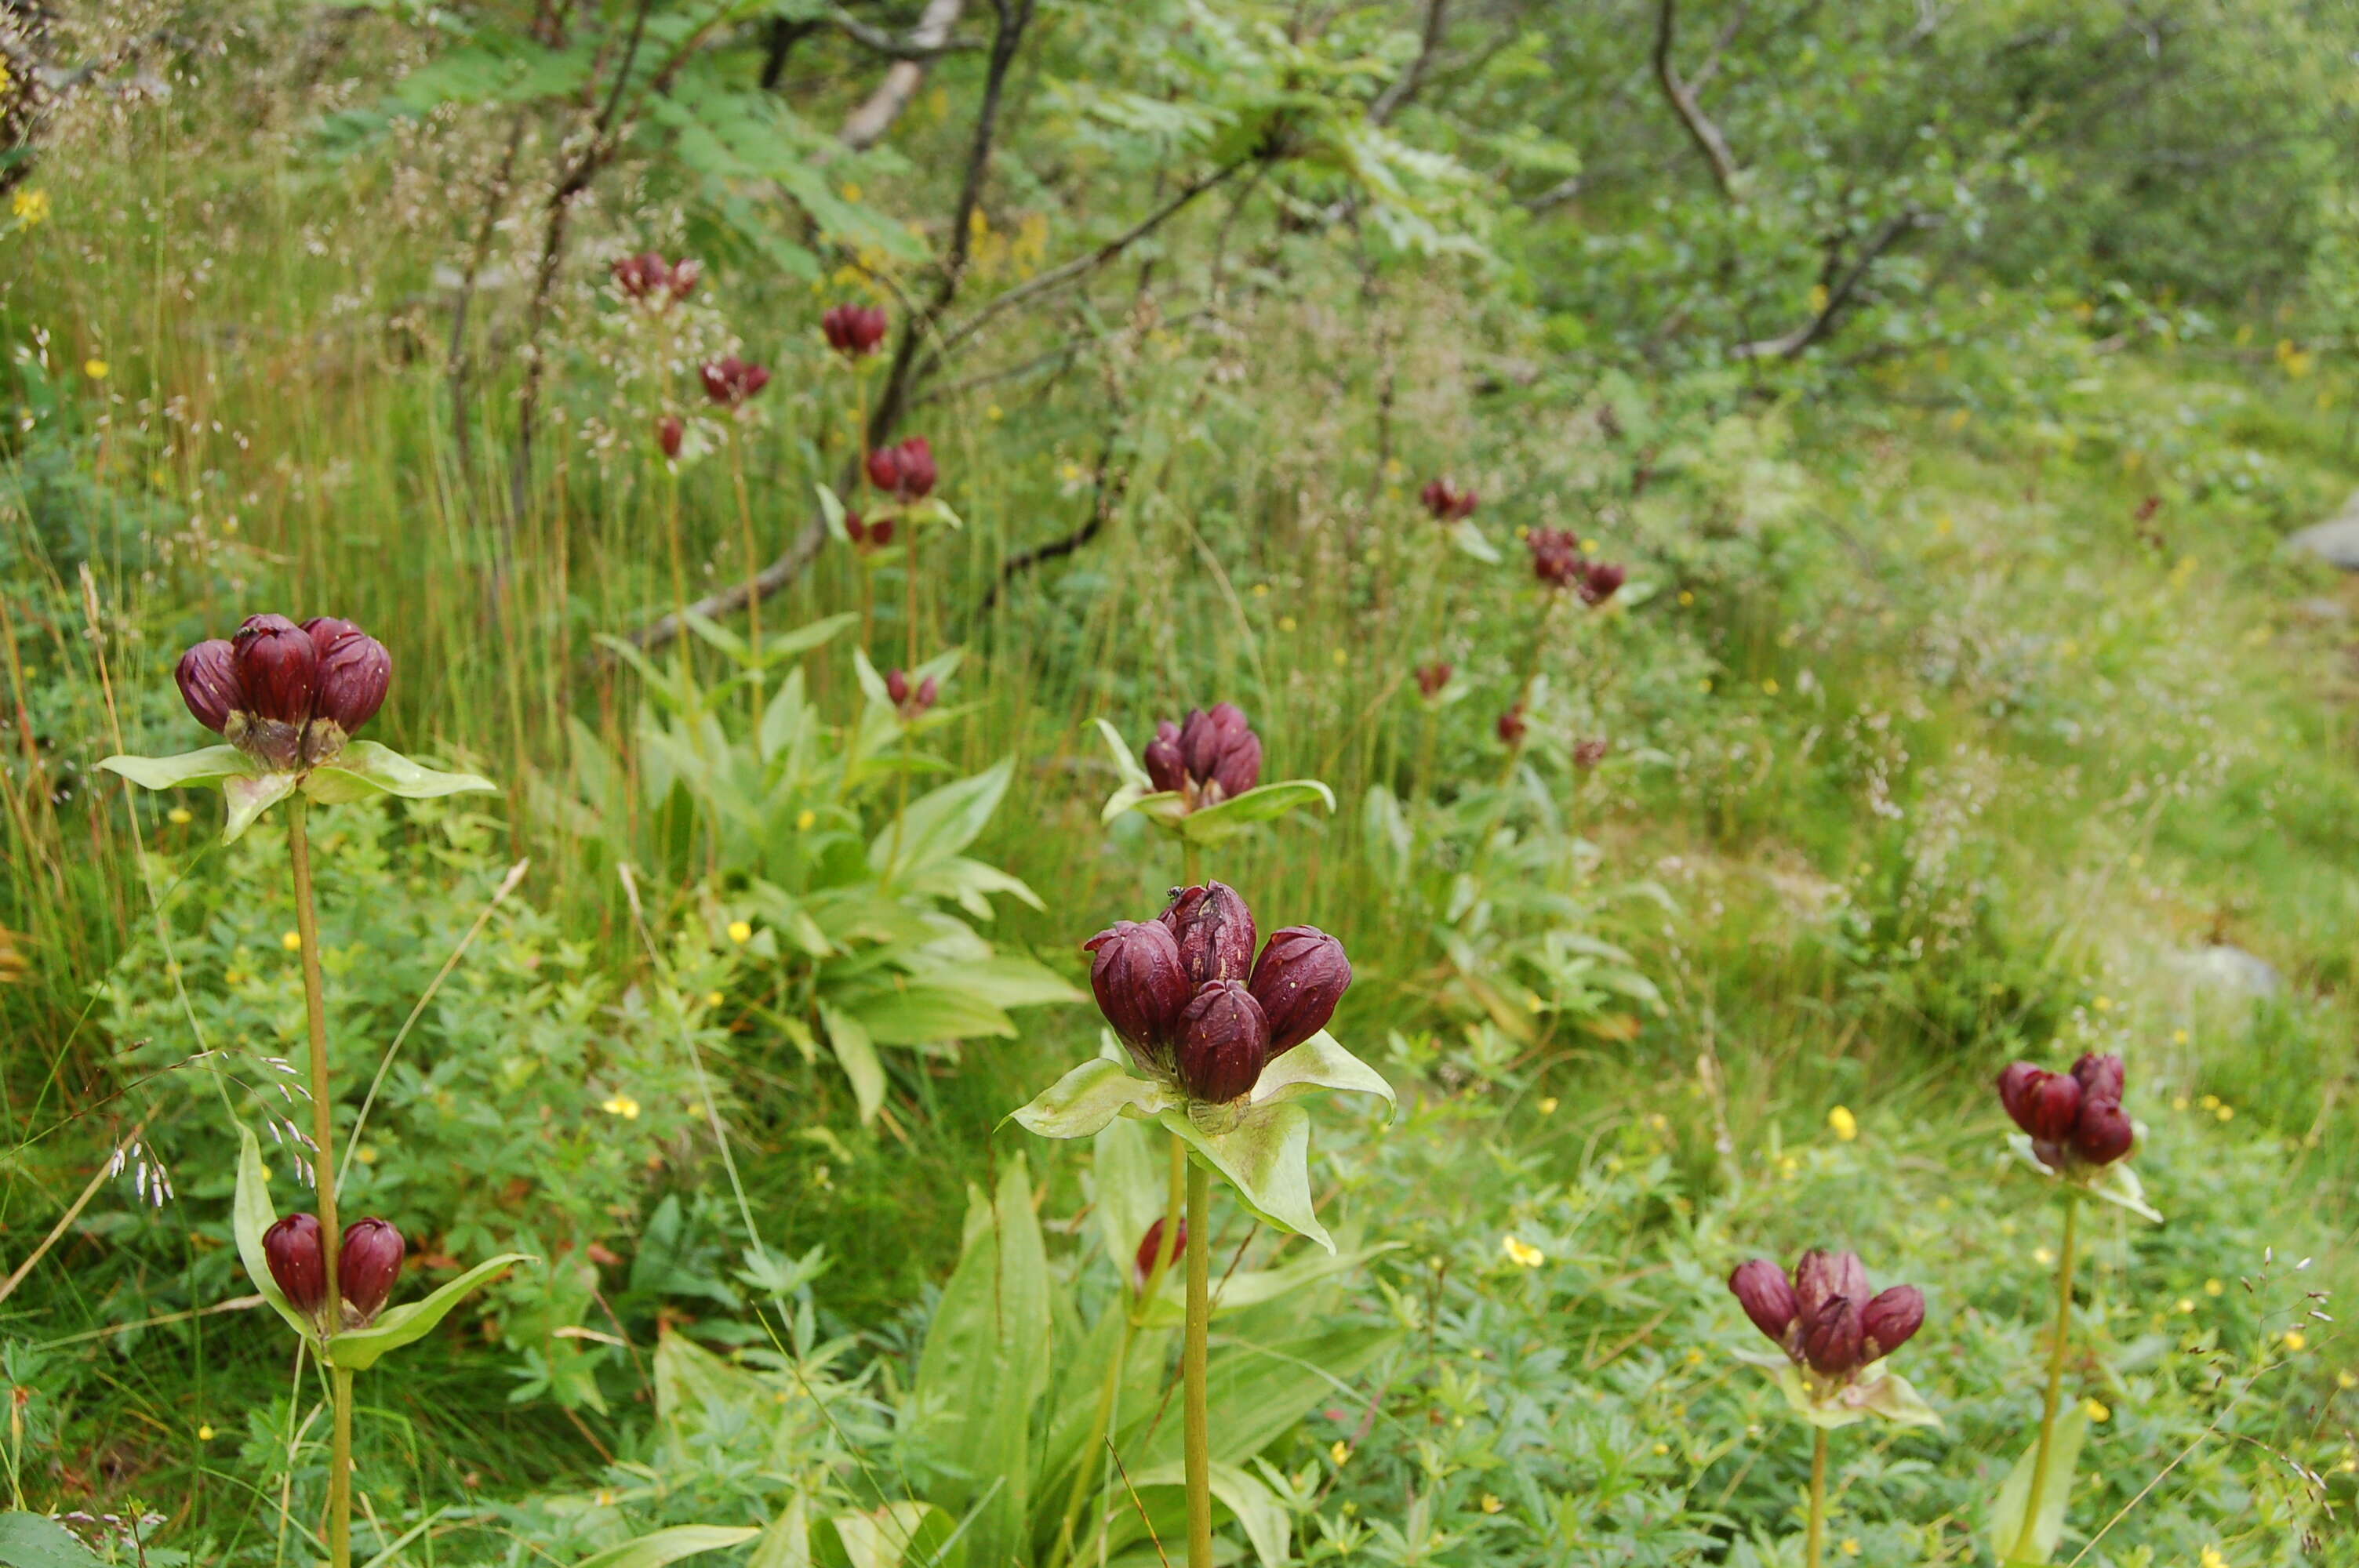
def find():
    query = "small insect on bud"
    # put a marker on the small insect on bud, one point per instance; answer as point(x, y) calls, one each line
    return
point(299, 1264)
point(1224, 1042)
point(1298, 979)
point(854, 331)
point(355, 672)
point(368, 1265)
point(1767, 1298)
point(670, 432)
point(1150, 1252)
point(906, 471)
point(1447, 504)
point(1891, 1319)
point(1432, 679)
point(1142, 987)
point(1512, 725)
point(732, 381)
point(1214, 931)
point(207, 674)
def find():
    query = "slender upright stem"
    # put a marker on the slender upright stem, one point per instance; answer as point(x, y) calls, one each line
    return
point(1198, 1434)
point(1815, 1544)
point(910, 527)
point(323, 1158)
point(2038, 1497)
point(752, 561)
point(1191, 862)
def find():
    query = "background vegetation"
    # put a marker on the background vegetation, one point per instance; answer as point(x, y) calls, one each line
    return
point(1946, 376)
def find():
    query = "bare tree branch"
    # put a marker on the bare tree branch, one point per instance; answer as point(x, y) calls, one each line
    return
point(866, 125)
point(1684, 104)
point(1403, 87)
point(919, 46)
point(1793, 344)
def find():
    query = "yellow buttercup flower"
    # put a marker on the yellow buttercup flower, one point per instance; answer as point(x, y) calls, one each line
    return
point(2214, 1288)
point(2294, 1339)
point(1491, 1503)
point(205, 1433)
point(2096, 1409)
point(292, 941)
point(1341, 1452)
point(1845, 1125)
point(805, 821)
point(2212, 1558)
point(179, 816)
point(1523, 1255)
point(29, 206)
point(95, 368)
point(740, 933)
point(623, 1106)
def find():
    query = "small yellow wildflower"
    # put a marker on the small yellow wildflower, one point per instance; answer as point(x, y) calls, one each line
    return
point(806, 820)
point(1770, 685)
point(1661, 1449)
point(2179, 1102)
point(1548, 1105)
point(1341, 657)
point(1261, 591)
point(1850, 1546)
point(603, 1496)
point(1341, 1452)
point(2294, 1339)
point(205, 1433)
point(1523, 1255)
point(2226, 1113)
point(1286, 622)
point(29, 206)
point(1491, 1503)
point(2214, 1288)
point(95, 368)
point(2104, 1004)
point(2185, 1305)
point(179, 816)
point(740, 933)
point(292, 940)
point(1845, 1125)
point(714, 999)
point(2097, 1410)
point(2212, 1558)
point(365, 1154)
point(2042, 1256)
point(1944, 525)
point(623, 1106)
point(995, 413)
point(1687, 596)
point(2346, 1379)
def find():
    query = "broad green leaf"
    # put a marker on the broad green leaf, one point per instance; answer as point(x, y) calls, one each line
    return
point(363, 768)
point(1258, 1513)
point(830, 511)
point(210, 765)
point(1252, 1287)
point(1258, 1391)
point(1086, 1098)
point(785, 1541)
point(1130, 1186)
point(855, 1053)
point(1133, 774)
point(1321, 1062)
point(668, 1546)
point(940, 824)
point(1007, 979)
point(1217, 824)
point(1874, 1393)
point(1266, 1156)
point(896, 1535)
point(35, 1540)
point(249, 797)
point(804, 638)
point(2015, 1497)
point(358, 1349)
point(919, 1013)
point(251, 1213)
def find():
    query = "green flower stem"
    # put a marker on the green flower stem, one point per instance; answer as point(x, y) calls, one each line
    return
point(2039, 1495)
point(753, 563)
point(910, 527)
point(1198, 1434)
point(1526, 680)
point(1815, 1545)
point(323, 1157)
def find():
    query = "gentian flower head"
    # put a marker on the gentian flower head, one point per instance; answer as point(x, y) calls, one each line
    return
point(854, 331)
point(1432, 679)
point(1206, 758)
point(288, 696)
point(732, 382)
point(1824, 1317)
point(648, 279)
point(906, 472)
point(1447, 504)
point(912, 700)
point(2075, 1120)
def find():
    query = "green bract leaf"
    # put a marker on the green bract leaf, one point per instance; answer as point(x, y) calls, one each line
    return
point(250, 797)
point(668, 1546)
point(1215, 824)
point(357, 1349)
point(2116, 1184)
point(1085, 1099)
point(251, 1213)
point(363, 768)
point(1874, 1393)
point(2015, 1497)
point(1267, 1158)
point(1471, 540)
point(1321, 1062)
point(830, 511)
point(210, 765)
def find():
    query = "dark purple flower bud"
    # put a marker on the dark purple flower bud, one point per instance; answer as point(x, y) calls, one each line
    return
point(1446, 503)
point(1601, 580)
point(1834, 1342)
point(1767, 1298)
point(1890, 1319)
point(906, 470)
point(1512, 727)
point(2102, 1134)
point(641, 274)
point(1822, 1276)
point(278, 668)
point(1224, 1042)
point(2100, 1077)
point(2014, 1083)
point(1214, 930)
point(1432, 679)
point(896, 687)
point(1165, 769)
point(928, 690)
point(1141, 985)
point(368, 1265)
point(669, 433)
point(686, 274)
point(880, 533)
point(1150, 1252)
point(354, 671)
point(1589, 754)
point(731, 382)
point(1298, 979)
point(297, 1262)
point(854, 331)
point(2051, 1104)
point(208, 677)
point(1556, 556)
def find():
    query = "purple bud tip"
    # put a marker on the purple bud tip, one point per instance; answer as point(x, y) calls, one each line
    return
point(207, 674)
point(1214, 930)
point(1150, 1252)
point(355, 672)
point(2103, 1132)
point(278, 668)
point(1224, 1042)
point(1891, 1318)
point(1833, 1342)
point(1767, 1298)
point(299, 1264)
point(368, 1265)
point(1141, 987)
point(1298, 979)
point(2100, 1077)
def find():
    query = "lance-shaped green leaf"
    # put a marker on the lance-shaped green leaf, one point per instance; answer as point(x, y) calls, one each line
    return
point(669, 1546)
point(363, 769)
point(1472, 541)
point(208, 765)
point(251, 1213)
point(1874, 1392)
point(357, 1349)
point(1252, 1287)
point(2014, 1496)
point(1258, 1513)
point(1136, 785)
point(1217, 824)
point(2116, 1184)
point(830, 512)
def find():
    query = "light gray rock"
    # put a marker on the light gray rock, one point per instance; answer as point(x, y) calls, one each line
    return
point(2321, 611)
point(2334, 541)
point(2231, 968)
